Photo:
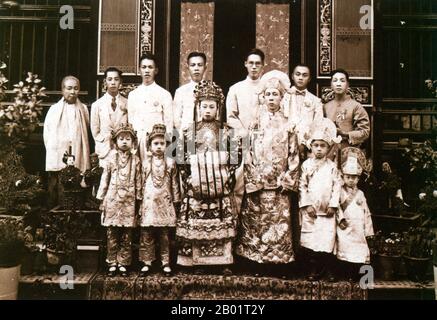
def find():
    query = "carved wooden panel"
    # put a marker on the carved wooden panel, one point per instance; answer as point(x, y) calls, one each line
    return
point(363, 94)
point(325, 37)
point(147, 26)
point(345, 37)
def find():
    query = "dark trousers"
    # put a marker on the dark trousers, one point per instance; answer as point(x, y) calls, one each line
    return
point(119, 244)
point(319, 263)
point(350, 271)
point(148, 243)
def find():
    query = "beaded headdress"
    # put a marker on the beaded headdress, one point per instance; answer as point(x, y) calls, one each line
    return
point(124, 128)
point(158, 130)
point(208, 90)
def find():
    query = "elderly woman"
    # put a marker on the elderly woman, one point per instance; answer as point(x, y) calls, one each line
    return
point(271, 172)
point(206, 225)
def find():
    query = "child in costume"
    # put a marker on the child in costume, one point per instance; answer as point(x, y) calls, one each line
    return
point(319, 191)
point(354, 219)
point(161, 197)
point(120, 188)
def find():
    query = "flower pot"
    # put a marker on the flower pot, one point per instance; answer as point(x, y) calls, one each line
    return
point(388, 267)
point(9, 280)
point(416, 268)
point(27, 262)
point(56, 258)
point(10, 254)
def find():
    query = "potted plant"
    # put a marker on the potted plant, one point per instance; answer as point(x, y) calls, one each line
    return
point(18, 119)
point(13, 237)
point(422, 160)
point(417, 253)
point(61, 232)
point(387, 251)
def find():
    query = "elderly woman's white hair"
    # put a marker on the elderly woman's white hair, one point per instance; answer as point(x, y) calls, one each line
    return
point(275, 79)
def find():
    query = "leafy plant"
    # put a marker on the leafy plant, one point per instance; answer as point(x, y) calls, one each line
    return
point(428, 204)
point(422, 159)
point(391, 245)
point(21, 117)
point(418, 242)
point(14, 238)
point(62, 230)
point(12, 231)
point(18, 190)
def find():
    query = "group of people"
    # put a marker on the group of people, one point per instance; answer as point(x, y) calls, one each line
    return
point(240, 169)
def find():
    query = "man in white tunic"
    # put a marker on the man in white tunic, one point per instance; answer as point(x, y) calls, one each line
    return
point(149, 104)
point(241, 105)
point(183, 104)
point(107, 113)
point(66, 126)
point(242, 98)
point(302, 108)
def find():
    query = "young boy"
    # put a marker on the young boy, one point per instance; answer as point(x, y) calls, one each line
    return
point(319, 190)
point(354, 220)
point(161, 196)
point(120, 187)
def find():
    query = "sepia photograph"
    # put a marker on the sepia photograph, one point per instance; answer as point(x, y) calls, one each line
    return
point(218, 154)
